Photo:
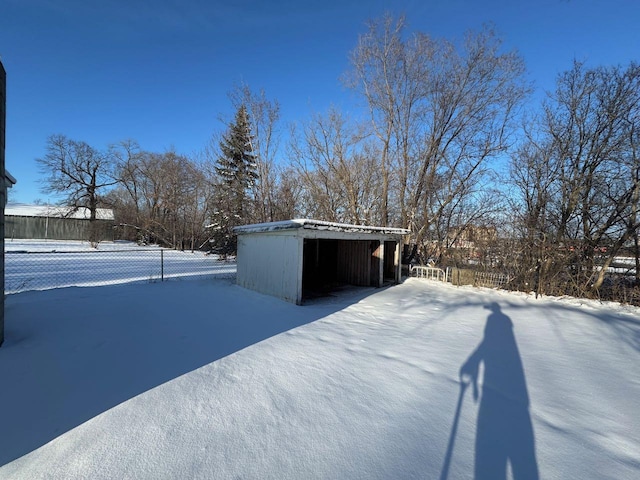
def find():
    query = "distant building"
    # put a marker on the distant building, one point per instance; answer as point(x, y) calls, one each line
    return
point(299, 259)
point(9, 182)
point(49, 222)
point(471, 236)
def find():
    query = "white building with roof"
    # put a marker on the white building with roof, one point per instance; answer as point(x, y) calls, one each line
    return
point(52, 222)
point(299, 259)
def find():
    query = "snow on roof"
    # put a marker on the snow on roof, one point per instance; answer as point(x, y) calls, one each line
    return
point(317, 225)
point(26, 210)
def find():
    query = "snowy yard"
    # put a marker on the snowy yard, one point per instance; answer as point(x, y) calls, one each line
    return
point(45, 264)
point(204, 379)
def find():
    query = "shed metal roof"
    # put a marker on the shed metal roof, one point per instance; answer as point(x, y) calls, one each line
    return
point(311, 224)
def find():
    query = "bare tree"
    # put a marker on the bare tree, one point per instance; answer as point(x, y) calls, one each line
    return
point(161, 197)
point(590, 120)
point(287, 198)
point(578, 179)
point(386, 72)
point(339, 177)
point(440, 112)
point(127, 155)
point(79, 172)
point(633, 220)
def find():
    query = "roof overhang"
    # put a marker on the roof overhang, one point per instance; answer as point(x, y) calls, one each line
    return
point(307, 226)
point(10, 180)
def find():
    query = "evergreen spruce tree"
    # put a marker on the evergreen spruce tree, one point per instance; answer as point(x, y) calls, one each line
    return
point(236, 167)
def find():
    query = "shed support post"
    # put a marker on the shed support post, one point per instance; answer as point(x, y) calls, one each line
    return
point(299, 265)
point(381, 264)
point(396, 263)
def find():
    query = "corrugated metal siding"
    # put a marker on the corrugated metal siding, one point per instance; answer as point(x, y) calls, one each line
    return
point(55, 228)
point(270, 264)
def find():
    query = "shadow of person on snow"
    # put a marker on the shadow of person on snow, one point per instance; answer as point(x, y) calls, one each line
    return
point(504, 434)
point(71, 354)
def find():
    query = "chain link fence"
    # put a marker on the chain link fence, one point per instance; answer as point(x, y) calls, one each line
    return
point(42, 270)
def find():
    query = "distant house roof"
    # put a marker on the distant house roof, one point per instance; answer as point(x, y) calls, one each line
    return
point(10, 180)
point(26, 210)
point(310, 224)
point(7, 182)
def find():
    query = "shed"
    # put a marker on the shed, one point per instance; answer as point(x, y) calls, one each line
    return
point(299, 259)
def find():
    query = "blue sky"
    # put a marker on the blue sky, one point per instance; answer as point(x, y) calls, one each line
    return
point(159, 71)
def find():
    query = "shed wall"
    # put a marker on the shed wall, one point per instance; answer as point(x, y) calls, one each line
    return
point(356, 263)
point(271, 263)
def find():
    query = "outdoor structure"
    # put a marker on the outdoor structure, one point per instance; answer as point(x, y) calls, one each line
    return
point(7, 181)
point(300, 259)
point(55, 223)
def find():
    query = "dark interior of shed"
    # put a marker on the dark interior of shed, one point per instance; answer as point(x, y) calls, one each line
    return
point(330, 264)
point(319, 267)
point(389, 261)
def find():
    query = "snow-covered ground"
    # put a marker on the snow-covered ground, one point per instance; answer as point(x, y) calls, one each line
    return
point(42, 264)
point(204, 379)
point(29, 245)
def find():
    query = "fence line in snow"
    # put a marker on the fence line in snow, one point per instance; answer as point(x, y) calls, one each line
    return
point(429, 273)
point(492, 280)
point(55, 269)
